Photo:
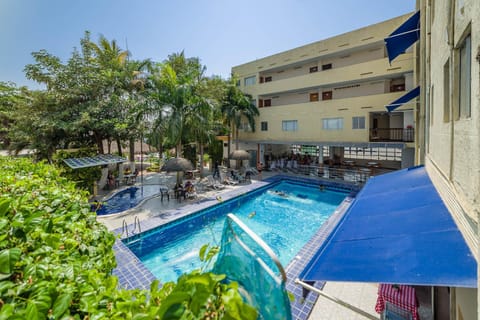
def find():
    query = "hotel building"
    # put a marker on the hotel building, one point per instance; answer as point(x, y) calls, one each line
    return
point(329, 98)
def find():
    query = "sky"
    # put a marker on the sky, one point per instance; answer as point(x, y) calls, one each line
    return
point(222, 33)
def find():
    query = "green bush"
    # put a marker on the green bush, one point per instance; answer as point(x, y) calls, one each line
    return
point(56, 260)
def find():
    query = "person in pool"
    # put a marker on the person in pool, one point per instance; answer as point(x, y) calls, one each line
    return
point(280, 193)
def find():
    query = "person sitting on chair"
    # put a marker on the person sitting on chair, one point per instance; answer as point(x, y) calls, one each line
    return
point(111, 181)
point(189, 190)
point(188, 186)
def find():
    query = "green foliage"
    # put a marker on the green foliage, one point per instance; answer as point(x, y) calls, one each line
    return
point(154, 167)
point(237, 106)
point(56, 260)
point(96, 94)
point(83, 177)
point(216, 150)
point(10, 96)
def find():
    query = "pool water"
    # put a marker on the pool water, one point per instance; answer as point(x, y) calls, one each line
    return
point(127, 199)
point(285, 216)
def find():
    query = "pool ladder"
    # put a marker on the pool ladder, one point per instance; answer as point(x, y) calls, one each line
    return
point(136, 224)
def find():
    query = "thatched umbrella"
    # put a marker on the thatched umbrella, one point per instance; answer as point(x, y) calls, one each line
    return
point(177, 165)
point(240, 155)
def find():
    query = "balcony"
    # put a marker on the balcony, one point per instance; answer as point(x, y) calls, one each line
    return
point(374, 69)
point(392, 134)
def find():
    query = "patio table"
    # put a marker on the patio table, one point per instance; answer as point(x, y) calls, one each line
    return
point(402, 296)
point(128, 178)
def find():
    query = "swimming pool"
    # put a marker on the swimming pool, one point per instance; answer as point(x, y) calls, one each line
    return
point(285, 215)
point(127, 199)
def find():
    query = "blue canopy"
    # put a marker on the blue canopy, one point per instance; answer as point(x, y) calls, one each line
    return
point(398, 230)
point(403, 37)
point(403, 99)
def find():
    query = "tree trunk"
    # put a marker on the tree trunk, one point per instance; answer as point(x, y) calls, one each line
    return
point(131, 145)
point(119, 147)
point(228, 147)
point(99, 141)
point(178, 149)
point(160, 151)
point(236, 138)
point(200, 147)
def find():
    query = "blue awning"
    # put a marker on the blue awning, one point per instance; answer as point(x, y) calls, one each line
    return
point(403, 99)
point(403, 37)
point(398, 230)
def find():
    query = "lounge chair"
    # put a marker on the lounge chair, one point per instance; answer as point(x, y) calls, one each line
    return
point(227, 180)
point(212, 183)
point(191, 194)
point(252, 170)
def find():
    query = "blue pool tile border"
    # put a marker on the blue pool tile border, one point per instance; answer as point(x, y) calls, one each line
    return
point(133, 274)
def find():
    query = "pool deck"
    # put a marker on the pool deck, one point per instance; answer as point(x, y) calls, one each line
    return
point(154, 212)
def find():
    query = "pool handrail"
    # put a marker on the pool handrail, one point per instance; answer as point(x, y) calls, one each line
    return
point(124, 228)
point(136, 221)
point(261, 243)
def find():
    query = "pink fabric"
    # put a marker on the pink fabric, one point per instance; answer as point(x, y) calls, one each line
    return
point(403, 297)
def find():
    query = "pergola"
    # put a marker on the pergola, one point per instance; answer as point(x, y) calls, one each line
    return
point(100, 160)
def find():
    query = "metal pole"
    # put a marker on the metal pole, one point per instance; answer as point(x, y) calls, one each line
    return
point(141, 158)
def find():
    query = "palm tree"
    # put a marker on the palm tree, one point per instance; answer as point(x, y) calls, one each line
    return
point(200, 123)
point(178, 90)
point(125, 81)
point(236, 107)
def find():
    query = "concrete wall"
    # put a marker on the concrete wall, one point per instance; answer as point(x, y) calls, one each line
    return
point(452, 140)
point(453, 146)
point(466, 304)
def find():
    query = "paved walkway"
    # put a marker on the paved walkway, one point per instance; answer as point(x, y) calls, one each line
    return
point(155, 206)
point(360, 295)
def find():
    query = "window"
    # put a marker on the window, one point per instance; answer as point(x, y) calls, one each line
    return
point(327, 95)
point(260, 103)
point(358, 123)
point(237, 83)
point(245, 126)
point(314, 96)
point(267, 102)
point(397, 87)
point(380, 153)
point(332, 123)
point(313, 69)
point(253, 102)
point(327, 66)
point(268, 79)
point(446, 91)
point(250, 81)
point(465, 82)
point(264, 125)
point(289, 125)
